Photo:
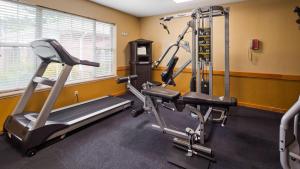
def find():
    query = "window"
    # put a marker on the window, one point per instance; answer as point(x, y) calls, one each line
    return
point(82, 37)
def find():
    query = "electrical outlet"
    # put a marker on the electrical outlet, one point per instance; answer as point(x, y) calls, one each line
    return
point(124, 33)
point(76, 93)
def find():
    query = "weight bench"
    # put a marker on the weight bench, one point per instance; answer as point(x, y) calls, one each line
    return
point(191, 140)
point(204, 99)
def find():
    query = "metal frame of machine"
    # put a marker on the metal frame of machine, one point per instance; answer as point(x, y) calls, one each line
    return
point(200, 63)
point(196, 23)
point(289, 148)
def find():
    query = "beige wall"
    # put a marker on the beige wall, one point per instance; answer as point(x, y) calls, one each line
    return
point(271, 21)
point(124, 22)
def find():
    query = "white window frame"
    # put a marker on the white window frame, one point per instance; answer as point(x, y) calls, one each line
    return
point(17, 91)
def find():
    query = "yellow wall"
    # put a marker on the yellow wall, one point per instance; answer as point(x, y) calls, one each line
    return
point(272, 22)
point(124, 23)
point(252, 90)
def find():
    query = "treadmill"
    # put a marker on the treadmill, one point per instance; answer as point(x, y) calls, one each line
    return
point(31, 129)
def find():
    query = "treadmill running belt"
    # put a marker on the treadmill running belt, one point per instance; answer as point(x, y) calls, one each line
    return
point(78, 111)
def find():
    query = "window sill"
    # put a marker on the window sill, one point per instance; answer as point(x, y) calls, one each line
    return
point(7, 94)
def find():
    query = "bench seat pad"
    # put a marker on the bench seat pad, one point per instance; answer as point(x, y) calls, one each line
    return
point(204, 99)
point(161, 93)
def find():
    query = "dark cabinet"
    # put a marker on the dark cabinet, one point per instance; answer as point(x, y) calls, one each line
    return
point(140, 61)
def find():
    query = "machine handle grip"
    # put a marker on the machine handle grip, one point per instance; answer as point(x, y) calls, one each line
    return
point(165, 27)
point(126, 79)
point(155, 64)
point(167, 18)
point(89, 63)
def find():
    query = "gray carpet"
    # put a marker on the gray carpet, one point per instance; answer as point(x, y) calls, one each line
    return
point(249, 141)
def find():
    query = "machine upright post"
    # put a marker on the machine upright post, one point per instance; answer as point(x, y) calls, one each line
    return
point(29, 89)
point(55, 91)
point(211, 52)
point(227, 67)
point(198, 75)
point(194, 48)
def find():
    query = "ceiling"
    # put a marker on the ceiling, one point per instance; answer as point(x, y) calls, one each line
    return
point(142, 8)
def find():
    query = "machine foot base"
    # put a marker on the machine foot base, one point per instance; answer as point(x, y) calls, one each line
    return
point(179, 158)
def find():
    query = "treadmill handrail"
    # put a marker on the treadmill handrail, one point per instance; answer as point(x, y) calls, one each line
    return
point(89, 63)
point(50, 50)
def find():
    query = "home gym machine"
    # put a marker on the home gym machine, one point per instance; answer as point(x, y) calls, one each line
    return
point(289, 138)
point(201, 24)
point(193, 141)
point(31, 129)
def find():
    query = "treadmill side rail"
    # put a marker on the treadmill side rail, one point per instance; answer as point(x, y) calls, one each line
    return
point(83, 122)
point(122, 105)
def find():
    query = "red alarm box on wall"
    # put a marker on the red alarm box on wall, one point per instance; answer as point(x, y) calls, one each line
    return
point(255, 44)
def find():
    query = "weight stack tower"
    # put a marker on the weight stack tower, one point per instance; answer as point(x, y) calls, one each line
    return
point(204, 56)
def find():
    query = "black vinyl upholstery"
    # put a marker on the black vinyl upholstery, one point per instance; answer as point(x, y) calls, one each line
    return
point(125, 79)
point(191, 97)
point(204, 99)
point(162, 93)
point(167, 75)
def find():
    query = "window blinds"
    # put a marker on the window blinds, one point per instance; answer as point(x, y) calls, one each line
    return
point(83, 38)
